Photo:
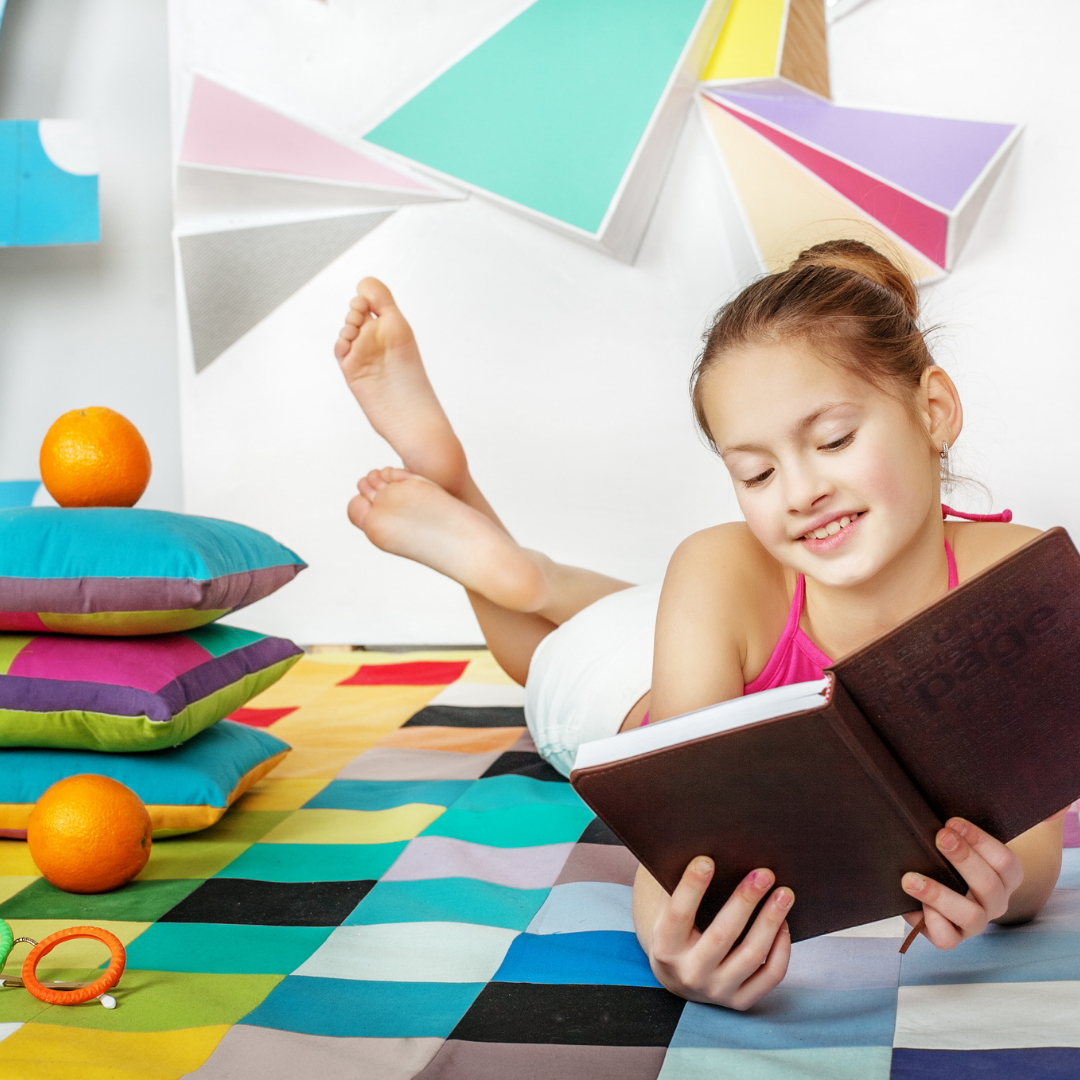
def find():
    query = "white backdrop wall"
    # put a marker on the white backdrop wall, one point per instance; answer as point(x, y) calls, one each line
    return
point(94, 324)
point(564, 371)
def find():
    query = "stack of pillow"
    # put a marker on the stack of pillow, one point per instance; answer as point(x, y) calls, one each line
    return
point(112, 661)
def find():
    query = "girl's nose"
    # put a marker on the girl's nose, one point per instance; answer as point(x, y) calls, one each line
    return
point(804, 489)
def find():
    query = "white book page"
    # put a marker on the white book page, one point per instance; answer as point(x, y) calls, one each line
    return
point(728, 715)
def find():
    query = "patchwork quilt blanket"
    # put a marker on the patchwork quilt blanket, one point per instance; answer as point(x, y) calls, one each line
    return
point(415, 893)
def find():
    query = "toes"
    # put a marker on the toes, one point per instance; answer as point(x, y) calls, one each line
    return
point(359, 508)
point(348, 332)
point(377, 296)
point(355, 318)
point(368, 488)
point(341, 348)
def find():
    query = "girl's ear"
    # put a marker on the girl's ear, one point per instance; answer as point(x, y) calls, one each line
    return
point(944, 413)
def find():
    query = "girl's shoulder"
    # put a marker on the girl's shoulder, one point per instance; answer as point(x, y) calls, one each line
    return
point(733, 579)
point(729, 558)
point(979, 544)
point(724, 602)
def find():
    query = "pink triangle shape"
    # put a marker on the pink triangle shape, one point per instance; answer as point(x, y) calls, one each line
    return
point(229, 131)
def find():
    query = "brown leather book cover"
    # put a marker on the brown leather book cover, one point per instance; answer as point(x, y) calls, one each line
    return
point(971, 707)
point(814, 796)
point(978, 695)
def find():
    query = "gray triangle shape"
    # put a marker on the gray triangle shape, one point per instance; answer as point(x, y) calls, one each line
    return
point(234, 279)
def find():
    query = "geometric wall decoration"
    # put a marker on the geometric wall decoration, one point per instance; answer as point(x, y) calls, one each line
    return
point(766, 38)
point(567, 114)
point(234, 279)
point(48, 183)
point(226, 130)
point(923, 178)
point(786, 208)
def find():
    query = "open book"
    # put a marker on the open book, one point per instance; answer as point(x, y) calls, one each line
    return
point(971, 708)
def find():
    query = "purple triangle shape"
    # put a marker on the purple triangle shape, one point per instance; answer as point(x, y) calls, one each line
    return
point(933, 158)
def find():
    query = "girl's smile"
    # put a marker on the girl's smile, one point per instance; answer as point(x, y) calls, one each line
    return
point(821, 461)
point(824, 539)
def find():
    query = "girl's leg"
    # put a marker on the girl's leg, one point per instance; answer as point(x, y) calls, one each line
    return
point(519, 597)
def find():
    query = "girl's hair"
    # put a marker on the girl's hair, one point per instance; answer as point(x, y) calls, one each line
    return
point(844, 300)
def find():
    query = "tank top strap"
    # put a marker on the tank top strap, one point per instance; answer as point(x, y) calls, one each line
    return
point(948, 511)
point(954, 577)
point(798, 599)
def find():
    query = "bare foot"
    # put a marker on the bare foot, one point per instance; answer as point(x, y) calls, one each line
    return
point(413, 517)
point(381, 363)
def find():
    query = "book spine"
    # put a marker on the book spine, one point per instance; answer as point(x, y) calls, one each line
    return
point(878, 763)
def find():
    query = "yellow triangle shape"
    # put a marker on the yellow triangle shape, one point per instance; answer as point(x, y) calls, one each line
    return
point(749, 41)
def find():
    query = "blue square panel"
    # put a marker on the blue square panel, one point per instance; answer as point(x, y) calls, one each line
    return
point(386, 794)
point(793, 1019)
point(1002, 956)
point(353, 1007)
point(604, 957)
point(463, 900)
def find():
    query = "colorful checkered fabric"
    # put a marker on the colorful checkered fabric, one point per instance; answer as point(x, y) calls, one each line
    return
point(415, 893)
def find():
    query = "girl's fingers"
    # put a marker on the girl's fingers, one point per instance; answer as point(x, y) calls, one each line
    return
point(769, 975)
point(939, 931)
point(964, 912)
point(1004, 861)
point(755, 949)
point(985, 883)
point(675, 926)
point(730, 921)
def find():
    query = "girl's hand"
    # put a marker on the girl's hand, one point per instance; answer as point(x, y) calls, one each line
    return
point(992, 871)
point(704, 966)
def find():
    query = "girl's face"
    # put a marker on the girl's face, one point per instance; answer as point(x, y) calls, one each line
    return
point(834, 477)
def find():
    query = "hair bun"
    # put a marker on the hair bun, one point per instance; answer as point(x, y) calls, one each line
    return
point(862, 259)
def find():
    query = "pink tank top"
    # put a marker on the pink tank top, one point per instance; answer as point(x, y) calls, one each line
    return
point(797, 659)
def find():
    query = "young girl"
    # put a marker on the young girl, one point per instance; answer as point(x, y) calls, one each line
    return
point(818, 392)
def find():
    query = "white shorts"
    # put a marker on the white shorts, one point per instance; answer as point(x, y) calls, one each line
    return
point(587, 674)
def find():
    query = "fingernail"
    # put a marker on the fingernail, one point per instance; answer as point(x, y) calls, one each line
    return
point(703, 865)
point(758, 879)
point(782, 898)
point(958, 825)
point(913, 883)
point(947, 840)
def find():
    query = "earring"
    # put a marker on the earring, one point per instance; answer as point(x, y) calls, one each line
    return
point(944, 455)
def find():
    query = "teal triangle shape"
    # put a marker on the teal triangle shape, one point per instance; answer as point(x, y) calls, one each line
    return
point(548, 111)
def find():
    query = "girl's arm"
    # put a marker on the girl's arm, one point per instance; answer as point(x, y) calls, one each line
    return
point(715, 580)
point(1039, 851)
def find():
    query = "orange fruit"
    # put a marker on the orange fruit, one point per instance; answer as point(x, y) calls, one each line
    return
point(89, 834)
point(94, 457)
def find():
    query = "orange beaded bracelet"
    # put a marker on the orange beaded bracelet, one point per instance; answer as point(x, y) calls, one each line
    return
point(86, 993)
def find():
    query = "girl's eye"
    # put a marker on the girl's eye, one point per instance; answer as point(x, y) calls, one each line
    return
point(839, 444)
point(759, 479)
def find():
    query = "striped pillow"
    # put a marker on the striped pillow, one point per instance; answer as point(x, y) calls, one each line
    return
point(185, 788)
point(123, 571)
point(131, 694)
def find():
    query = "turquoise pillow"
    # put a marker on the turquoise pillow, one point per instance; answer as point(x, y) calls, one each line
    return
point(185, 788)
point(131, 694)
point(123, 571)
